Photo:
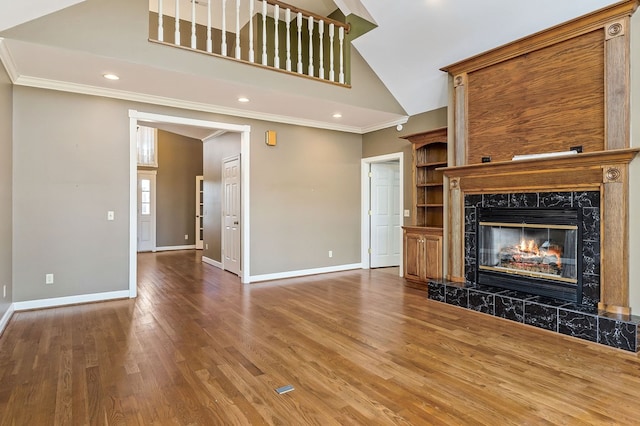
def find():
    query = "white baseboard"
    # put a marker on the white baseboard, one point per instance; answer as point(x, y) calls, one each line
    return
point(169, 248)
point(70, 300)
point(6, 317)
point(304, 272)
point(212, 262)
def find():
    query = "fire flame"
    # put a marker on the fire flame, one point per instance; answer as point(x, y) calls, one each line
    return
point(531, 248)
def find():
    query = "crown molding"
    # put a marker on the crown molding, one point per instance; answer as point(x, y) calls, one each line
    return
point(64, 86)
point(8, 62)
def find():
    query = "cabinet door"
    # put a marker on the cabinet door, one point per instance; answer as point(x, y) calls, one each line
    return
point(433, 256)
point(414, 256)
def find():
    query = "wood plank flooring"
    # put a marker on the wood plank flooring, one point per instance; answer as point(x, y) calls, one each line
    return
point(360, 348)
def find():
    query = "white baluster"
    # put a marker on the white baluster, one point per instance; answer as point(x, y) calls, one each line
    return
point(176, 36)
point(287, 18)
point(310, 45)
point(251, 53)
point(193, 24)
point(341, 38)
point(332, 74)
point(160, 27)
point(209, 42)
point(276, 17)
point(264, 32)
point(223, 44)
point(299, 22)
point(238, 29)
point(321, 49)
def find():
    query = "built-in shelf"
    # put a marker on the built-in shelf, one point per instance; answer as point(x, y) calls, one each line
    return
point(429, 157)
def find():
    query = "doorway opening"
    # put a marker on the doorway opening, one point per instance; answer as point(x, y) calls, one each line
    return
point(381, 223)
point(136, 117)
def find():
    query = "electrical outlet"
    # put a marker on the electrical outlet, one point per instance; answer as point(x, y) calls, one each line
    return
point(330, 253)
point(206, 246)
point(186, 236)
point(48, 279)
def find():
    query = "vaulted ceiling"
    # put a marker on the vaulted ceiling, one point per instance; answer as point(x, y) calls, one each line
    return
point(412, 41)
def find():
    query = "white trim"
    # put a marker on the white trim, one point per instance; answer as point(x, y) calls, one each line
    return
point(71, 300)
point(245, 264)
point(305, 272)
point(170, 248)
point(133, 206)
point(365, 197)
point(8, 62)
point(84, 89)
point(212, 262)
point(6, 318)
point(245, 145)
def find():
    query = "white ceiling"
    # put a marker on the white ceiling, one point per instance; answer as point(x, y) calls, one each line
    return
point(419, 37)
point(413, 40)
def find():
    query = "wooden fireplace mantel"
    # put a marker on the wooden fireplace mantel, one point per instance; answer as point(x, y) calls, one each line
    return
point(568, 172)
point(606, 172)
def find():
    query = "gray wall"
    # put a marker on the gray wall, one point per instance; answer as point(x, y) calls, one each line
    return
point(179, 162)
point(388, 141)
point(634, 176)
point(215, 150)
point(6, 127)
point(71, 165)
point(305, 199)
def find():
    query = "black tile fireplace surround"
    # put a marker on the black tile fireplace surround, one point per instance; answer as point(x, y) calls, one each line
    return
point(533, 250)
point(588, 205)
point(583, 320)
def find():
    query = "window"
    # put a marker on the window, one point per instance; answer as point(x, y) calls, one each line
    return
point(147, 147)
point(145, 197)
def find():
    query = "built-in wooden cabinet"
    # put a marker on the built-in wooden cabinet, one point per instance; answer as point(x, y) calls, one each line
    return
point(423, 240)
point(422, 253)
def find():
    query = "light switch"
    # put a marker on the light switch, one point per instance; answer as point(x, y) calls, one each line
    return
point(407, 213)
point(111, 215)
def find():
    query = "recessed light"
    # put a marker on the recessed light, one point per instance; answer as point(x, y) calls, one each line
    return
point(111, 77)
point(337, 115)
point(243, 99)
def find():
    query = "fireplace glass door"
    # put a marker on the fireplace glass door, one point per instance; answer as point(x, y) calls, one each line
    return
point(531, 250)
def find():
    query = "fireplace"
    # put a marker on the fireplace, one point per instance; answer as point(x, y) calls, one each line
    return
point(532, 250)
point(501, 232)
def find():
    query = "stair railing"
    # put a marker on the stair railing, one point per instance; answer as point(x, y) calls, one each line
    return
point(321, 53)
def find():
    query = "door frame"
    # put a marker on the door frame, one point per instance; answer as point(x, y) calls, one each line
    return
point(365, 196)
point(245, 138)
point(154, 174)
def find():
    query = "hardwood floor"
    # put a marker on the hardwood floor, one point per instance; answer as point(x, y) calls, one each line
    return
point(359, 347)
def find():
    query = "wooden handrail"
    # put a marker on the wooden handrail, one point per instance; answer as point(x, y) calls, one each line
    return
point(307, 13)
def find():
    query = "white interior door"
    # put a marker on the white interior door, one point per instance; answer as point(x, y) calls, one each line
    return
point(385, 214)
point(199, 212)
point(146, 211)
point(231, 215)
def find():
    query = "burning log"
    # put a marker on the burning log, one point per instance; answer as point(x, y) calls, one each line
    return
point(528, 256)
